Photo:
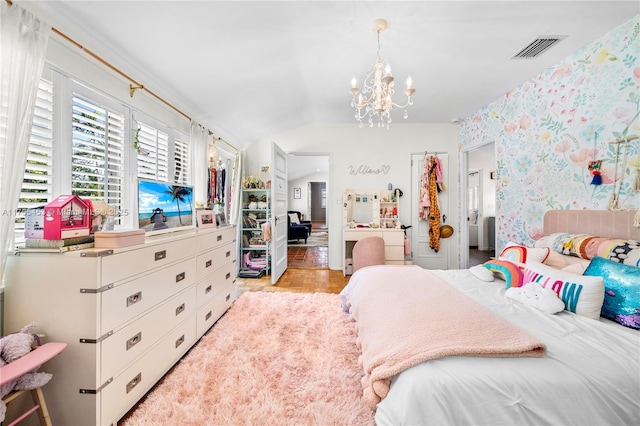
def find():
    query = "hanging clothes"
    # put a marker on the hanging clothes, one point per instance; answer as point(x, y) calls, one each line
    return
point(434, 212)
point(424, 203)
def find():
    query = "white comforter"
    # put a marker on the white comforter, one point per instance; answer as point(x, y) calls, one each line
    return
point(590, 376)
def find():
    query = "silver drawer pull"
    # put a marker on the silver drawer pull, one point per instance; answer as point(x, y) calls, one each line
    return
point(228, 276)
point(219, 238)
point(208, 264)
point(134, 340)
point(207, 290)
point(134, 298)
point(180, 276)
point(134, 382)
point(228, 297)
point(206, 317)
point(160, 255)
point(228, 254)
point(179, 309)
point(180, 341)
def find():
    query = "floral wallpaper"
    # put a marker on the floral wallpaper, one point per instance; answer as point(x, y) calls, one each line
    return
point(549, 129)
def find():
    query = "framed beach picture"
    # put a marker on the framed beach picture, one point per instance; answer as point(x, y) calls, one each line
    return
point(297, 193)
point(206, 218)
point(221, 220)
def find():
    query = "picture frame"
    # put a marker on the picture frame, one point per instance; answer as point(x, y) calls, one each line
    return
point(206, 219)
point(221, 220)
point(297, 193)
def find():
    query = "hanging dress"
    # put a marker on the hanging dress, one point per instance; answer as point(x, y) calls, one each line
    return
point(424, 203)
point(434, 213)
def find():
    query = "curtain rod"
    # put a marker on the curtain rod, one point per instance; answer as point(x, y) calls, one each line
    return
point(113, 68)
point(132, 81)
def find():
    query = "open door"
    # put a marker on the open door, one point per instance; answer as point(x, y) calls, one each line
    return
point(278, 212)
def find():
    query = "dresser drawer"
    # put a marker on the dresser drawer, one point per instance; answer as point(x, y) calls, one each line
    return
point(214, 259)
point(216, 282)
point(127, 344)
point(393, 238)
point(394, 253)
point(130, 385)
point(357, 235)
point(122, 265)
point(215, 238)
point(122, 303)
point(214, 308)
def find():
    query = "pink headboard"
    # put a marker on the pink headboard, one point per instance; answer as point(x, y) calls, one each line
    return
point(601, 223)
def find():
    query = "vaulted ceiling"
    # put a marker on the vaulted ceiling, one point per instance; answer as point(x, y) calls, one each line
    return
point(248, 70)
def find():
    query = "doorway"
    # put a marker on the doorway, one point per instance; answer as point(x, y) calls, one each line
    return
point(310, 173)
point(478, 201)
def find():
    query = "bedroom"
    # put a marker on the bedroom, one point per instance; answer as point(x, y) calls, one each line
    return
point(603, 76)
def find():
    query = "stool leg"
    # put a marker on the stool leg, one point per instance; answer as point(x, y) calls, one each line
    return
point(43, 412)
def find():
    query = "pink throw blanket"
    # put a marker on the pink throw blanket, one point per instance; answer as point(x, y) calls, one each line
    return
point(406, 315)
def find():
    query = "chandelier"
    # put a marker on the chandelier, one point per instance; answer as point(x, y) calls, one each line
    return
point(374, 101)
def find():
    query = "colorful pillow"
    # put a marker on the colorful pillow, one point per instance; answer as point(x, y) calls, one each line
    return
point(520, 255)
point(625, 251)
point(622, 290)
point(581, 295)
point(509, 271)
point(482, 273)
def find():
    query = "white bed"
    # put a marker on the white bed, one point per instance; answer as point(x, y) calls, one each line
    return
point(590, 374)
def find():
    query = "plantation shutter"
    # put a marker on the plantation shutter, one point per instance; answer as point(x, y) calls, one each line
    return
point(37, 184)
point(153, 153)
point(97, 158)
point(181, 162)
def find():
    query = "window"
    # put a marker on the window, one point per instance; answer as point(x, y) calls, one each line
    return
point(82, 143)
point(97, 151)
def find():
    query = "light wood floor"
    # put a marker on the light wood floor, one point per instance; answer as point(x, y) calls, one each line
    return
point(300, 280)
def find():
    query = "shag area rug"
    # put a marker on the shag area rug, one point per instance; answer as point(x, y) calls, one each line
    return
point(316, 239)
point(273, 358)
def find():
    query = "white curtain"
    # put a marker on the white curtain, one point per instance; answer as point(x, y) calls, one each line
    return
point(234, 210)
point(199, 146)
point(23, 44)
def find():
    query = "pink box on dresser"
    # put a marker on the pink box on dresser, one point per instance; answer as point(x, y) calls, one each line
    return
point(116, 239)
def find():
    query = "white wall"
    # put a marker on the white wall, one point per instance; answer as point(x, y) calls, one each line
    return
point(302, 204)
point(352, 147)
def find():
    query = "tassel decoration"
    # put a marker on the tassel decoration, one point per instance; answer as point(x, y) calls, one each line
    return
point(597, 178)
point(636, 182)
point(636, 219)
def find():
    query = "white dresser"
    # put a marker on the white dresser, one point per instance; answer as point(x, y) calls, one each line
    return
point(127, 315)
point(393, 244)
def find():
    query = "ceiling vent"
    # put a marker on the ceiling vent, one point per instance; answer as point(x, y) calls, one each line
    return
point(537, 47)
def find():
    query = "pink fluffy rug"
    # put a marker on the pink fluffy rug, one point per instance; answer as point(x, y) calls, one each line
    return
point(273, 358)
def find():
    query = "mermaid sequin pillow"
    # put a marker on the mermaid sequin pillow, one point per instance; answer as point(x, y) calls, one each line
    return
point(621, 290)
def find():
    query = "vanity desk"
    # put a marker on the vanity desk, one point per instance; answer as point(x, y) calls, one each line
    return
point(370, 213)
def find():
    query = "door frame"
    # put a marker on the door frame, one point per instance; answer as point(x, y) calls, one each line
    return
point(464, 205)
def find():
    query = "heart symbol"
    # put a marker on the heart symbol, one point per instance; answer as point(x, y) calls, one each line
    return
point(385, 168)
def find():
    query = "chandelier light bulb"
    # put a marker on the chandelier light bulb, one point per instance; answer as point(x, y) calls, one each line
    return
point(409, 83)
point(354, 82)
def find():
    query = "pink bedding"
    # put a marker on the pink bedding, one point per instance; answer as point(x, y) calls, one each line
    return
point(421, 317)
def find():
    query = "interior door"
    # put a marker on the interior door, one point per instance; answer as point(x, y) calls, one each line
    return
point(423, 255)
point(278, 212)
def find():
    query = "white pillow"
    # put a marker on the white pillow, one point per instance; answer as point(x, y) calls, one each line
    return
point(520, 255)
point(582, 295)
point(535, 295)
point(294, 218)
point(482, 273)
